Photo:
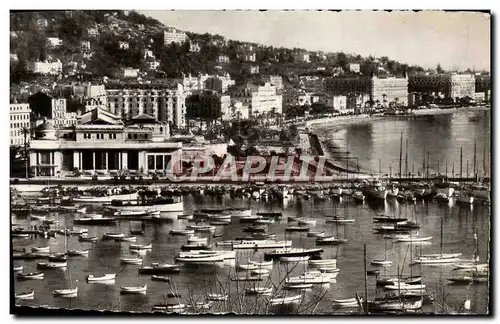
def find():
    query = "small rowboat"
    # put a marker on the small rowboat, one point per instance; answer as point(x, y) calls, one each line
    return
point(413, 239)
point(323, 262)
point(316, 234)
point(131, 260)
point(138, 247)
point(299, 286)
point(247, 266)
point(25, 295)
point(168, 307)
point(404, 286)
point(84, 238)
point(51, 265)
point(134, 290)
point(65, 292)
point(260, 272)
point(194, 239)
point(381, 262)
point(106, 277)
point(160, 278)
point(45, 249)
point(349, 302)
point(217, 297)
point(18, 269)
point(329, 269)
point(285, 300)
point(111, 236)
point(77, 252)
point(259, 291)
point(305, 221)
point(188, 216)
point(182, 232)
point(20, 235)
point(261, 264)
point(126, 239)
point(37, 217)
point(30, 276)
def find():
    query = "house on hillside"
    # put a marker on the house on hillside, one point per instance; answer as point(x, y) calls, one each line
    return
point(85, 45)
point(123, 45)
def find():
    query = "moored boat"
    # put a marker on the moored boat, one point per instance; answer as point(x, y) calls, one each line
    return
point(66, 292)
point(30, 276)
point(25, 295)
point(105, 277)
point(134, 289)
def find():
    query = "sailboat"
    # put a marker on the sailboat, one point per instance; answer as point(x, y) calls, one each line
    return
point(68, 292)
point(384, 262)
point(439, 258)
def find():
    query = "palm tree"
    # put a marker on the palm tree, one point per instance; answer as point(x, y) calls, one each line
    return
point(26, 132)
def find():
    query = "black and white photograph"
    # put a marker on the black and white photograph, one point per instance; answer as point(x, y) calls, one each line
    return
point(250, 162)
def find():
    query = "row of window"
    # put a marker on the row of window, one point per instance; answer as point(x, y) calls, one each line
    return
point(17, 132)
point(19, 125)
point(20, 117)
point(98, 136)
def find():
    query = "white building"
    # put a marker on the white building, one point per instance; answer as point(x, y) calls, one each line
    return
point(172, 35)
point(302, 57)
point(254, 69)
point(162, 103)
point(13, 57)
point(125, 73)
point(59, 112)
point(92, 32)
point(19, 120)
point(123, 45)
point(44, 67)
point(354, 67)
point(85, 45)
point(223, 58)
point(390, 91)
point(463, 85)
point(260, 99)
point(236, 110)
point(153, 65)
point(251, 57)
point(194, 47)
point(147, 53)
point(207, 82)
point(275, 80)
point(54, 41)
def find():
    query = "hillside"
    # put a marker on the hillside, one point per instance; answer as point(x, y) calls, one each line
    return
point(29, 42)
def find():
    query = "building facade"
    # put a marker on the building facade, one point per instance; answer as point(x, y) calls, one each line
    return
point(172, 35)
point(126, 73)
point(44, 67)
point(162, 103)
point(54, 41)
point(438, 85)
point(223, 58)
point(354, 67)
point(207, 104)
point(102, 144)
point(462, 85)
point(345, 85)
point(390, 91)
point(19, 122)
point(59, 112)
point(274, 80)
point(260, 99)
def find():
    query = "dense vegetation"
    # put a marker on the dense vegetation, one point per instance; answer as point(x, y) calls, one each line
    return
point(141, 32)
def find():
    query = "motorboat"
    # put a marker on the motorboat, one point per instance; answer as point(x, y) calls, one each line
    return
point(105, 277)
point(285, 300)
point(290, 252)
point(106, 198)
point(134, 289)
point(162, 204)
point(157, 268)
point(323, 262)
point(301, 286)
point(227, 255)
point(339, 220)
point(30, 276)
point(413, 239)
point(330, 240)
point(77, 253)
point(160, 278)
point(381, 262)
point(85, 238)
point(348, 302)
point(403, 280)
point(126, 239)
point(200, 258)
point(51, 265)
point(45, 249)
point(94, 220)
point(182, 232)
point(405, 286)
point(217, 297)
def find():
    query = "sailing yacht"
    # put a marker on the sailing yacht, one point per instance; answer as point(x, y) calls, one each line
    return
point(67, 292)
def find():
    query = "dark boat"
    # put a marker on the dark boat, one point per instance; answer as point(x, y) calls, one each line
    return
point(372, 272)
point(194, 247)
point(156, 268)
point(270, 214)
point(292, 252)
point(297, 229)
point(388, 219)
point(58, 257)
point(173, 295)
point(211, 211)
point(160, 278)
point(255, 229)
point(404, 280)
point(136, 232)
point(94, 221)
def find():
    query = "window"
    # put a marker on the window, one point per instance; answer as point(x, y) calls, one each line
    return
point(135, 136)
point(159, 162)
point(151, 162)
point(129, 136)
point(161, 130)
point(111, 136)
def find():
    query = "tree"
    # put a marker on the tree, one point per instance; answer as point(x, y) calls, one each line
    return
point(439, 69)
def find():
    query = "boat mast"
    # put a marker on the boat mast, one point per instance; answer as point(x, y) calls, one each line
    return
point(366, 279)
point(475, 171)
point(441, 245)
point(400, 154)
point(406, 158)
point(461, 162)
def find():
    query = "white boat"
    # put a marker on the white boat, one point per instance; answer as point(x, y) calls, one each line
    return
point(131, 213)
point(470, 266)
point(157, 204)
point(113, 235)
point(435, 260)
point(219, 217)
point(186, 216)
point(106, 277)
point(262, 244)
point(312, 278)
point(106, 199)
point(138, 247)
point(77, 252)
point(305, 221)
point(200, 258)
point(301, 286)
point(328, 269)
point(339, 220)
point(285, 300)
point(295, 259)
point(169, 307)
point(348, 302)
point(20, 235)
point(316, 234)
point(217, 297)
point(45, 249)
point(259, 291)
point(18, 269)
point(194, 239)
point(397, 304)
point(134, 290)
point(447, 192)
point(261, 264)
point(81, 210)
point(235, 212)
point(51, 265)
point(413, 239)
point(260, 272)
point(381, 262)
point(182, 231)
point(66, 292)
point(323, 262)
point(131, 260)
point(201, 228)
point(246, 267)
point(405, 286)
point(25, 295)
point(30, 276)
point(38, 217)
point(440, 256)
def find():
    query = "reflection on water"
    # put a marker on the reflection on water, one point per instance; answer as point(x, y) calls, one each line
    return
point(197, 281)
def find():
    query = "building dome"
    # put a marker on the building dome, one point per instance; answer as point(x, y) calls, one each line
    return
point(45, 131)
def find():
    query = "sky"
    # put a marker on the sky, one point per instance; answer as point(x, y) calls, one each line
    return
point(456, 40)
